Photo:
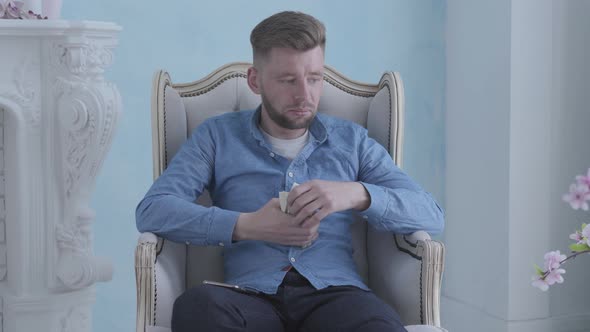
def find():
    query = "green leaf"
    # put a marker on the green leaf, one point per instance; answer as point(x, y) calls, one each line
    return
point(583, 226)
point(579, 247)
point(539, 271)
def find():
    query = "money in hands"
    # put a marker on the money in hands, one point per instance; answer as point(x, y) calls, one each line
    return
point(283, 198)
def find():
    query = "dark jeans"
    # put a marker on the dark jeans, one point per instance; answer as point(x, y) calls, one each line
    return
point(297, 306)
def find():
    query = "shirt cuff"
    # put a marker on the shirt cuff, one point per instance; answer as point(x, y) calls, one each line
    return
point(379, 201)
point(222, 227)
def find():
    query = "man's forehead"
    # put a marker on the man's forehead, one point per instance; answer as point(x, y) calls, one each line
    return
point(290, 72)
point(285, 60)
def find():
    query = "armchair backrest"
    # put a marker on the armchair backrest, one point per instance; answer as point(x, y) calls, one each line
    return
point(178, 108)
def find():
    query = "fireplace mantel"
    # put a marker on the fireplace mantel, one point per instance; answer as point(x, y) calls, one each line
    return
point(57, 118)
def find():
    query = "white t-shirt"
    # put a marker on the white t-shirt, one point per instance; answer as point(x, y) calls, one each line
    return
point(288, 148)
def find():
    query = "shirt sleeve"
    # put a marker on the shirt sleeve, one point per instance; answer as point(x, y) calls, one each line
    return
point(398, 204)
point(169, 209)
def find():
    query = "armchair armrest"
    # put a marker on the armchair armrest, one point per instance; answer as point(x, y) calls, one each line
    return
point(145, 262)
point(432, 254)
point(407, 271)
point(160, 276)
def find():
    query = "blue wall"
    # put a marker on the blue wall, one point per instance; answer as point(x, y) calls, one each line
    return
point(191, 38)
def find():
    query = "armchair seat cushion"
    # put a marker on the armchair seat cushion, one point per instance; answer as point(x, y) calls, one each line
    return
point(157, 329)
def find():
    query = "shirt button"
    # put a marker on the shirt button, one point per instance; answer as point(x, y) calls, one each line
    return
point(187, 243)
point(290, 174)
point(292, 259)
point(221, 244)
point(365, 217)
point(272, 154)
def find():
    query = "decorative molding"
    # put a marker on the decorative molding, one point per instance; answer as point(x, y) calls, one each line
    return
point(75, 319)
point(86, 58)
point(111, 108)
point(60, 118)
point(76, 238)
point(86, 112)
point(77, 112)
point(214, 85)
point(25, 94)
point(359, 93)
point(77, 267)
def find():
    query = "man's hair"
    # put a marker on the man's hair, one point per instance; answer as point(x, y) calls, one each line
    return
point(287, 29)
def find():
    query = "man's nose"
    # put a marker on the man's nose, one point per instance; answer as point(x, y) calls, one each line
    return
point(301, 91)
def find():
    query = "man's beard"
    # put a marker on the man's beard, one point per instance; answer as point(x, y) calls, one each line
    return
point(282, 120)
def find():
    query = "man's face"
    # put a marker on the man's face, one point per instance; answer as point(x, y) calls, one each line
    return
point(290, 84)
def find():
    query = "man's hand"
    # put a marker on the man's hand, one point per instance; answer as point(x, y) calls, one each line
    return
point(271, 224)
point(312, 201)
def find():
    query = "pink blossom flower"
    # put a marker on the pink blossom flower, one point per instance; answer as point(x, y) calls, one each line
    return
point(586, 234)
point(540, 283)
point(578, 237)
point(553, 272)
point(578, 196)
point(553, 260)
point(584, 179)
point(554, 276)
point(544, 281)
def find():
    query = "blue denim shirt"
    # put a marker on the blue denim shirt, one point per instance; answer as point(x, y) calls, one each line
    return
point(229, 156)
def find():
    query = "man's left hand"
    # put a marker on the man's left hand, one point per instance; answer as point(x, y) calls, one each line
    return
point(312, 201)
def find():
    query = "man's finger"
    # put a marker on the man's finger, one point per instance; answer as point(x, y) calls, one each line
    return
point(315, 219)
point(297, 191)
point(308, 211)
point(303, 201)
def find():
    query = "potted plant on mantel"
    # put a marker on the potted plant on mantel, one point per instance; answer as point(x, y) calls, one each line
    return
point(578, 198)
point(22, 10)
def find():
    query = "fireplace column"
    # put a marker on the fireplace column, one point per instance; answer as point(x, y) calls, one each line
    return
point(57, 118)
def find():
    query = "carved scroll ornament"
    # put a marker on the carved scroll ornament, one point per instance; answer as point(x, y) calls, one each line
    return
point(87, 109)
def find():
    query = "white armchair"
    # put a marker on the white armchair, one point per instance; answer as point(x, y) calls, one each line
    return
point(404, 270)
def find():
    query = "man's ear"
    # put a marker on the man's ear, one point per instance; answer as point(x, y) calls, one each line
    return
point(253, 80)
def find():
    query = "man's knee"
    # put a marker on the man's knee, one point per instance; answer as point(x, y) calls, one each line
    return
point(380, 316)
point(378, 324)
point(203, 306)
point(214, 308)
point(195, 299)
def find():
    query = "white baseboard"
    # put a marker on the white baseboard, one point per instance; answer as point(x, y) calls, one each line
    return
point(460, 317)
point(574, 323)
point(457, 316)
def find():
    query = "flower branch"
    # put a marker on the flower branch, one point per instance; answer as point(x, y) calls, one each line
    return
point(13, 10)
point(578, 198)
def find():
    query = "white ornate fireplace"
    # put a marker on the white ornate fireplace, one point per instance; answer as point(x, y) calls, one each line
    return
point(57, 117)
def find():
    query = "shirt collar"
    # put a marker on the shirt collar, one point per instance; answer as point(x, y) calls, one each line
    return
point(317, 128)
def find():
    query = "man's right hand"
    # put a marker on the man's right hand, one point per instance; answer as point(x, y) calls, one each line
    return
point(271, 224)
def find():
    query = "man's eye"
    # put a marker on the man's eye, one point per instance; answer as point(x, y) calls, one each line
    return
point(289, 81)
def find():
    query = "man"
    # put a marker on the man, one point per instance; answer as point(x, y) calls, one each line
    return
point(295, 269)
